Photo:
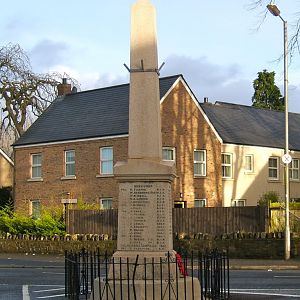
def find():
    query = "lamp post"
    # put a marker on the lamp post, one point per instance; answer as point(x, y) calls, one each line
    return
point(273, 9)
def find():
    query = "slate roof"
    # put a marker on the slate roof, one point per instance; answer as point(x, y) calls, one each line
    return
point(246, 125)
point(89, 114)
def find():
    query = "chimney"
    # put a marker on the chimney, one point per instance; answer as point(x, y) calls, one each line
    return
point(63, 88)
point(205, 100)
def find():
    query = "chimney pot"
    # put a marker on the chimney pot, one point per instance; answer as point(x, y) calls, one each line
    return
point(63, 88)
point(205, 99)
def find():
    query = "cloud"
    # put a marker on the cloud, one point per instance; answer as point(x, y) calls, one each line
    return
point(17, 25)
point(90, 80)
point(47, 53)
point(223, 83)
point(108, 79)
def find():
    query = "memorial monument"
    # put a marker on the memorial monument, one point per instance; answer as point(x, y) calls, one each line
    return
point(144, 203)
point(145, 200)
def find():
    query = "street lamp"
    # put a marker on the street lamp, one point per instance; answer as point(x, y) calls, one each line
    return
point(273, 9)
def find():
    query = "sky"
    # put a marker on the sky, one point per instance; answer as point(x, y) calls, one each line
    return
point(216, 45)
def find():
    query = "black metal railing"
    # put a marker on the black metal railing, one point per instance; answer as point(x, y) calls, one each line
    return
point(88, 274)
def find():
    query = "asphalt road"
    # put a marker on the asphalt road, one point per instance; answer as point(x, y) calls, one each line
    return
point(265, 284)
point(29, 277)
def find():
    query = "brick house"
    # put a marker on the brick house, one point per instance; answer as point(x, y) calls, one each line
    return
point(226, 154)
point(6, 170)
point(69, 152)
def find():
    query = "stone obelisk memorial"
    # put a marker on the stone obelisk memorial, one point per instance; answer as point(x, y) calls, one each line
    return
point(145, 204)
point(145, 200)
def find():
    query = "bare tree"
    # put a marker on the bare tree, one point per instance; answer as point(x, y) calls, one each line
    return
point(7, 138)
point(24, 95)
point(261, 5)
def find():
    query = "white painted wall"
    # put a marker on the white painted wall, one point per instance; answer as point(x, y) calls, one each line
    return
point(250, 186)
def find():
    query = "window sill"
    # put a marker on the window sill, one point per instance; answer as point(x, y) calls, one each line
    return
point(68, 178)
point(199, 176)
point(38, 179)
point(104, 175)
point(227, 179)
point(294, 180)
point(274, 180)
point(249, 173)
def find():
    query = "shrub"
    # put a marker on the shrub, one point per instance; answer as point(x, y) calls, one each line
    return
point(268, 197)
point(86, 206)
point(49, 224)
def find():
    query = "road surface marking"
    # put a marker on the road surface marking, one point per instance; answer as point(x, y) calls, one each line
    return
point(55, 285)
point(53, 273)
point(53, 296)
point(25, 292)
point(41, 291)
point(287, 276)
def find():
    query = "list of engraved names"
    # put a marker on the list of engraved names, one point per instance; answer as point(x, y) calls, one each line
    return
point(146, 216)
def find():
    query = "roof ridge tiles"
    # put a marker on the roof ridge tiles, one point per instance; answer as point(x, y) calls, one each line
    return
point(115, 86)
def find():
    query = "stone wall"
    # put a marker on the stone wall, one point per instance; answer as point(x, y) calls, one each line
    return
point(250, 245)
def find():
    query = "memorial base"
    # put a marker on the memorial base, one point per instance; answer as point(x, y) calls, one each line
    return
point(141, 265)
point(187, 288)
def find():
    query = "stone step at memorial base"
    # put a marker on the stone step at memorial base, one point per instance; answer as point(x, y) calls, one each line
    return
point(183, 288)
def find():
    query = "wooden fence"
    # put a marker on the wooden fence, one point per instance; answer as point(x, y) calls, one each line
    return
point(212, 220)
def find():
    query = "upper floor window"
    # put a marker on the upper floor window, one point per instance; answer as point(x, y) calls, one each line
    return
point(35, 209)
point(106, 203)
point(239, 202)
point(273, 167)
point(36, 165)
point(106, 161)
point(249, 163)
point(226, 165)
point(70, 163)
point(199, 162)
point(168, 153)
point(200, 203)
point(294, 169)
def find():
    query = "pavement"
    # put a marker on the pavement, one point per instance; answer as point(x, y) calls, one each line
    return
point(30, 260)
point(264, 264)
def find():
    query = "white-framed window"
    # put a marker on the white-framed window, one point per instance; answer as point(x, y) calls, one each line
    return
point(106, 203)
point(35, 209)
point(238, 202)
point(199, 163)
point(168, 153)
point(227, 165)
point(200, 203)
point(36, 165)
point(273, 168)
point(70, 163)
point(294, 169)
point(249, 163)
point(106, 161)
